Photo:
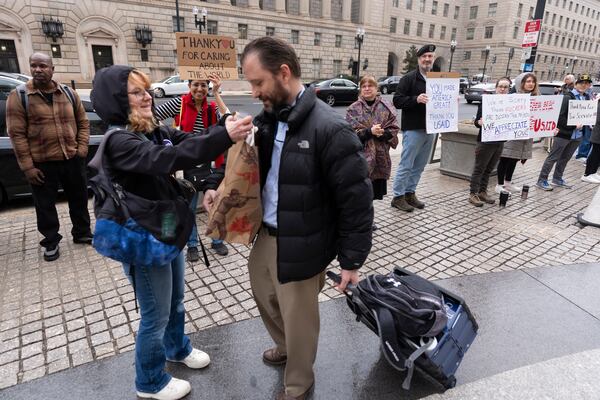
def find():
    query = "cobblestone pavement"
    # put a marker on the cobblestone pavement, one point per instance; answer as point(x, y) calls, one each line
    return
point(62, 314)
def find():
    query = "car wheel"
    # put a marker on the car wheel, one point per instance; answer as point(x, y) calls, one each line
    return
point(384, 90)
point(469, 101)
point(330, 99)
point(159, 93)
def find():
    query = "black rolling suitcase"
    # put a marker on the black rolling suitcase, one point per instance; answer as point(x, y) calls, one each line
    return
point(437, 354)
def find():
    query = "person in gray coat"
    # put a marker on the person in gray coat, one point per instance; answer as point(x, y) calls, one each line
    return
point(515, 150)
point(593, 161)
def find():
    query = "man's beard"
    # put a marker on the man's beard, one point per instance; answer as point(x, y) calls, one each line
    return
point(277, 99)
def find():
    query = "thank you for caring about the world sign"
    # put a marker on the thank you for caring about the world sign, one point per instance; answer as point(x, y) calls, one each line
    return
point(201, 55)
point(582, 112)
point(442, 108)
point(505, 117)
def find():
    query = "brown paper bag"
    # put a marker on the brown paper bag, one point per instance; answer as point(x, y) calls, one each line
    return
point(236, 215)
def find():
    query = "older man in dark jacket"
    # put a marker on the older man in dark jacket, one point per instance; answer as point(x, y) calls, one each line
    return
point(411, 98)
point(317, 203)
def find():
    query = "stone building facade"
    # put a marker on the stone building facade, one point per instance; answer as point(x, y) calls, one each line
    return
point(102, 32)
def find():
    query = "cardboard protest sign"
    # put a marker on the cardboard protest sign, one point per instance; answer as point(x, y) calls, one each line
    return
point(441, 111)
point(505, 117)
point(201, 55)
point(582, 112)
point(544, 115)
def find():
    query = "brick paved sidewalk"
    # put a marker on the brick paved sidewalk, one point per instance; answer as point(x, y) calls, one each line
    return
point(62, 314)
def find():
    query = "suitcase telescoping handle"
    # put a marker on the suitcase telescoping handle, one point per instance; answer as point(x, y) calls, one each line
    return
point(338, 279)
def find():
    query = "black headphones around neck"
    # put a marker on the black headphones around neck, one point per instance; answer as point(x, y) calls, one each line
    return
point(282, 113)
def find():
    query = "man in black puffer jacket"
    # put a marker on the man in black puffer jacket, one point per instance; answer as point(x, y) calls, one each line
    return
point(317, 203)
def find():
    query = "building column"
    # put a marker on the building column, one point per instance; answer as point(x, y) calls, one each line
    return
point(346, 10)
point(326, 10)
point(304, 7)
point(280, 6)
point(253, 4)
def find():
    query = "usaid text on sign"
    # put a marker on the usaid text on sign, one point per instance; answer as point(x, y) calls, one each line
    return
point(442, 107)
point(201, 55)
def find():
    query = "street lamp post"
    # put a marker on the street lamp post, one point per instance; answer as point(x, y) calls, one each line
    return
point(511, 53)
point(200, 23)
point(452, 50)
point(177, 15)
point(573, 65)
point(487, 54)
point(360, 36)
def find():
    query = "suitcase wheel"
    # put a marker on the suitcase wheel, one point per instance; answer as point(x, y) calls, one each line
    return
point(450, 383)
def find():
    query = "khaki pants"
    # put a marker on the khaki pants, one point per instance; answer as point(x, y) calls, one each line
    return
point(290, 313)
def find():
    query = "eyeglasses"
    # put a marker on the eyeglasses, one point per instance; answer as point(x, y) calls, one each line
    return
point(140, 94)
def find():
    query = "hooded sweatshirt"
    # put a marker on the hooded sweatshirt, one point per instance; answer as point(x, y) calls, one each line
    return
point(142, 161)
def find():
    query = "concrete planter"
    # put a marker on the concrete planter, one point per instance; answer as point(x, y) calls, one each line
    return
point(458, 152)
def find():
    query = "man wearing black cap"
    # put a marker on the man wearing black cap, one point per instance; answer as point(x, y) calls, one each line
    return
point(566, 140)
point(410, 97)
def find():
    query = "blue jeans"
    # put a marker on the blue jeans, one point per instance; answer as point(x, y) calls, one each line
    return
point(193, 240)
point(416, 149)
point(161, 335)
point(586, 145)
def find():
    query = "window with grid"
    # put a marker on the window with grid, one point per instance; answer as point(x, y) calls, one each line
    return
point(520, 10)
point(317, 40)
point(456, 12)
point(446, 9)
point(420, 29)
point(295, 36)
point(212, 27)
point(422, 5)
point(316, 62)
point(407, 26)
point(467, 55)
point(270, 31)
point(492, 8)
point(181, 24)
point(338, 40)
point(434, 7)
point(470, 33)
point(337, 67)
point(443, 33)
point(393, 22)
point(453, 35)
point(489, 32)
point(409, 4)
point(431, 30)
point(473, 12)
point(243, 31)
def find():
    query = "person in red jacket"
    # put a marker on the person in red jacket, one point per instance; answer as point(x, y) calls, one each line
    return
point(194, 114)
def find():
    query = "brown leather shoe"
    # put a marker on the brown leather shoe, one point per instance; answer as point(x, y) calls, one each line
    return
point(274, 357)
point(304, 396)
point(400, 203)
point(411, 198)
point(483, 196)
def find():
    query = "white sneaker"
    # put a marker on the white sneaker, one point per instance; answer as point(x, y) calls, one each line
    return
point(196, 360)
point(593, 178)
point(175, 389)
point(511, 188)
point(498, 189)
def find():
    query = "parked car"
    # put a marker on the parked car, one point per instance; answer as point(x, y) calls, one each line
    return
point(464, 85)
point(173, 86)
point(596, 89)
point(20, 77)
point(550, 88)
point(7, 85)
point(382, 78)
point(475, 92)
point(389, 85)
point(337, 91)
point(12, 181)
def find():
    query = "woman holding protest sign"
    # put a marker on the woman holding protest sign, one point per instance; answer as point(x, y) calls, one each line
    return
point(140, 158)
point(486, 155)
point(193, 114)
point(374, 121)
point(515, 150)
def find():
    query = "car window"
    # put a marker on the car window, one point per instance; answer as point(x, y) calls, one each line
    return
point(350, 84)
point(337, 83)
